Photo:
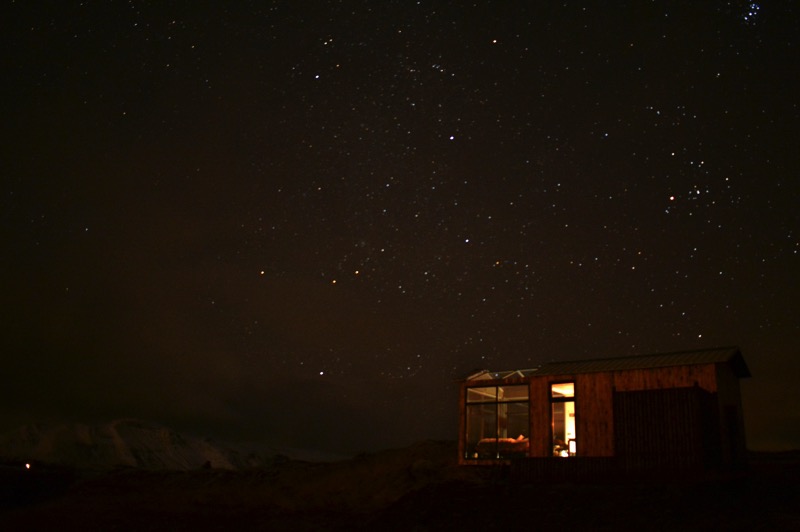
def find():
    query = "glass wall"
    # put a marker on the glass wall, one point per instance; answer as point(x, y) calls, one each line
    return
point(562, 399)
point(498, 422)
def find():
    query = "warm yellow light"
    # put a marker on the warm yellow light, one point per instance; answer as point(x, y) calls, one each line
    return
point(569, 420)
point(564, 389)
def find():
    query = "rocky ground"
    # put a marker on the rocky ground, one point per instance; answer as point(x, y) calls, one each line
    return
point(417, 488)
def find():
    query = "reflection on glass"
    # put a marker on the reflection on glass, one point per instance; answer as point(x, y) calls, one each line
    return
point(497, 422)
point(562, 389)
point(486, 394)
point(512, 393)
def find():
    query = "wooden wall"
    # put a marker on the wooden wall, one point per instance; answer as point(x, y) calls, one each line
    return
point(670, 428)
point(540, 435)
point(594, 402)
point(594, 407)
point(731, 417)
point(671, 377)
point(594, 430)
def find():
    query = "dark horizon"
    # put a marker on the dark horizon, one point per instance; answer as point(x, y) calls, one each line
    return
point(273, 221)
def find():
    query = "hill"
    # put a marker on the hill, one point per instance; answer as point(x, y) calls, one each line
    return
point(127, 443)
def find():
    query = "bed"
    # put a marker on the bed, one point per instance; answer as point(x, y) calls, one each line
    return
point(503, 446)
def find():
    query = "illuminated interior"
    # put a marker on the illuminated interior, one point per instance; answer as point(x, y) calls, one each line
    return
point(497, 424)
point(562, 397)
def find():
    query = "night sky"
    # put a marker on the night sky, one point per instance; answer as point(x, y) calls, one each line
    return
point(303, 222)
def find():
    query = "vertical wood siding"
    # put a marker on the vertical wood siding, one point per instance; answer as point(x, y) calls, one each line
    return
point(663, 429)
point(541, 444)
point(593, 408)
point(671, 377)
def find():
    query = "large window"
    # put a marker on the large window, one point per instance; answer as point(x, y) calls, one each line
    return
point(497, 424)
point(562, 399)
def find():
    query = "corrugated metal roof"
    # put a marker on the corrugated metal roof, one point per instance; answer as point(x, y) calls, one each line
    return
point(729, 355)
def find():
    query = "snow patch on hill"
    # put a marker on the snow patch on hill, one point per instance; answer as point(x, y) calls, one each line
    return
point(127, 443)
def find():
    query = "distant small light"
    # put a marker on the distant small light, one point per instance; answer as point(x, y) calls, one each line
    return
point(262, 272)
point(322, 373)
point(27, 466)
point(333, 282)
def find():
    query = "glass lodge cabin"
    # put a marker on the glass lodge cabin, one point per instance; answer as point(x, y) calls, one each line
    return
point(665, 410)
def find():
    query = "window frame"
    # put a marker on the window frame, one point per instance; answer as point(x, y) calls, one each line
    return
point(496, 403)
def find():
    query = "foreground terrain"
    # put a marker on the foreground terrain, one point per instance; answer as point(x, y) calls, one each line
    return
point(417, 488)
